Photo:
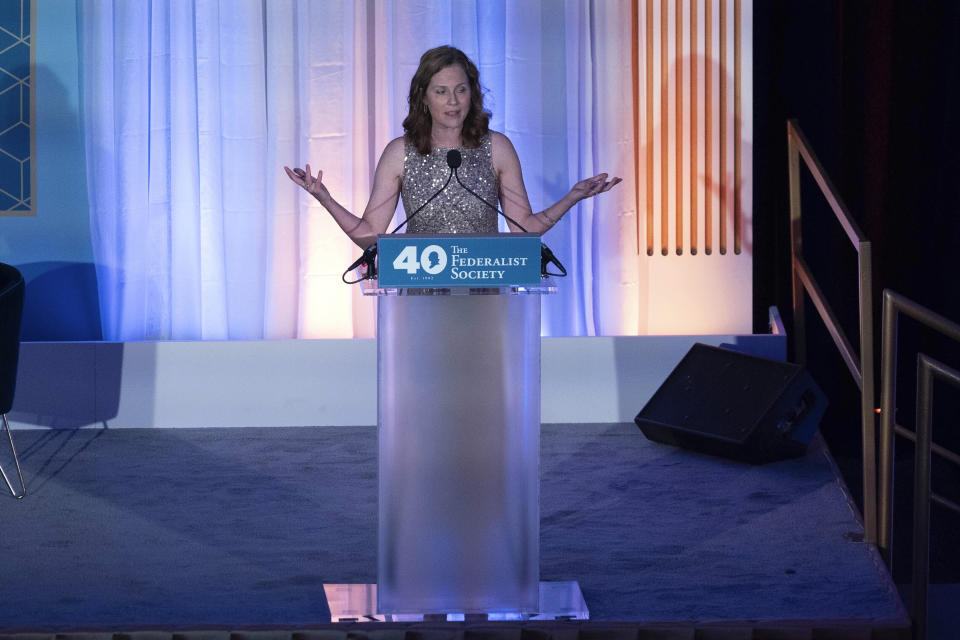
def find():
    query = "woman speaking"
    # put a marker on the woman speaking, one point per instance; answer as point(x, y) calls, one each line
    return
point(446, 113)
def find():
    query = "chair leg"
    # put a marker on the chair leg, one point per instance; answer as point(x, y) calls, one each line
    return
point(16, 461)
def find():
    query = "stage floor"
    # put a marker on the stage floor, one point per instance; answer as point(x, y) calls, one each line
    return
point(237, 528)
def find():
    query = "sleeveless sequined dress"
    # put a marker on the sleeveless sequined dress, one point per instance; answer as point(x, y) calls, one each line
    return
point(455, 210)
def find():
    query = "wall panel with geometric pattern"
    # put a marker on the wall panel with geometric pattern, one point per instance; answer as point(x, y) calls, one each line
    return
point(16, 109)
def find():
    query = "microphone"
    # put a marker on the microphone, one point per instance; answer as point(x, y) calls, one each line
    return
point(368, 258)
point(547, 258)
point(454, 160)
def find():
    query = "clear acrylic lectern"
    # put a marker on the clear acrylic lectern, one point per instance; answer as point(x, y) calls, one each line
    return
point(459, 447)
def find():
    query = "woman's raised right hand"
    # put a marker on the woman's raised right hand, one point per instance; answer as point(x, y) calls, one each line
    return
point(312, 185)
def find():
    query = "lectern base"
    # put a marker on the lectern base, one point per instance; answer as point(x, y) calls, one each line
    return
point(358, 603)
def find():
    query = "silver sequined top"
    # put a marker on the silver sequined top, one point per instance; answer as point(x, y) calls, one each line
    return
point(455, 210)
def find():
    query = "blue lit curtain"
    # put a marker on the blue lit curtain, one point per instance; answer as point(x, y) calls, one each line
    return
point(192, 107)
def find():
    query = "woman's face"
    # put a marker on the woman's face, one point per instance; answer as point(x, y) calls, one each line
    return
point(448, 97)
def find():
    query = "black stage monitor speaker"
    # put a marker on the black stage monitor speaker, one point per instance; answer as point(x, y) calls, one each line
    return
point(734, 405)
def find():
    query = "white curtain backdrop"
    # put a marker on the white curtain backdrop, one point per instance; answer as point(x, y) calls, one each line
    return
point(192, 107)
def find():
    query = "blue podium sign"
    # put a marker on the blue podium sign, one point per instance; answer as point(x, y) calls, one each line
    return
point(459, 260)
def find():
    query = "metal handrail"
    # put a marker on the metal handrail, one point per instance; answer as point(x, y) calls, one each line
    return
point(934, 447)
point(862, 367)
point(895, 304)
point(927, 370)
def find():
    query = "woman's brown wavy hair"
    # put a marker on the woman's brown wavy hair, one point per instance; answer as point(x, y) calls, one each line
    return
point(418, 124)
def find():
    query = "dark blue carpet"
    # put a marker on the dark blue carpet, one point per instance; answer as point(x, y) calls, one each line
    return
point(185, 528)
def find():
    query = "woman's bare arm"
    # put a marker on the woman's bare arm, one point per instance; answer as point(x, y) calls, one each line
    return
point(513, 193)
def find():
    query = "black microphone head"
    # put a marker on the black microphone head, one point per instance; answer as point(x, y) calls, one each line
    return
point(454, 159)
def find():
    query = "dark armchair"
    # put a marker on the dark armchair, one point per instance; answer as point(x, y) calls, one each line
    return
point(11, 312)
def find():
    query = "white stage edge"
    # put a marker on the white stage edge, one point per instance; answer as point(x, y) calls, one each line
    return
point(319, 382)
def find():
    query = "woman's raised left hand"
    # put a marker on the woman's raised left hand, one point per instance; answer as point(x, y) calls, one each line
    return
point(590, 187)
